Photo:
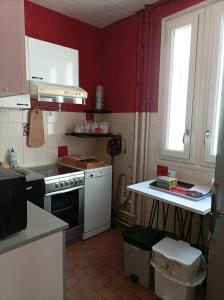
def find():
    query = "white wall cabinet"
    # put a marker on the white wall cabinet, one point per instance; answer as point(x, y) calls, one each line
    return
point(12, 49)
point(52, 63)
point(20, 101)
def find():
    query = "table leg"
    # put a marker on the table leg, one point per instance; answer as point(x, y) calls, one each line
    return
point(175, 221)
point(152, 214)
point(181, 221)
point(201, 233)
point(157, 216)
point(188, 234)
point(179, 224)
point(165, 215)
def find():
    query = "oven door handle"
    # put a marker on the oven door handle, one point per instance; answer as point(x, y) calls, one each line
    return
point(65, 191)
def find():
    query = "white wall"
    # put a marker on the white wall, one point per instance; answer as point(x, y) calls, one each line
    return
point(122, 123)
point(56, 124)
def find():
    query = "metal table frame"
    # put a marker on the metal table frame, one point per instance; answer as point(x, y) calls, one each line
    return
point(184, 211)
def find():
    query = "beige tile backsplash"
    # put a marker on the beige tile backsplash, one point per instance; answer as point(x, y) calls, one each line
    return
point(56, 124)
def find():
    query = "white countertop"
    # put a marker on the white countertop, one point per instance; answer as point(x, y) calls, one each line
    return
point(201, 207)
point(40, 224)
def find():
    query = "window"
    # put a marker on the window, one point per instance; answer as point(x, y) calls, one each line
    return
point(215, 83)
point(192, 43)
point(179, 73)
point(180, 62)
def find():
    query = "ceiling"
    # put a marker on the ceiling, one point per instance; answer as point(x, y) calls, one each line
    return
point(99, 13)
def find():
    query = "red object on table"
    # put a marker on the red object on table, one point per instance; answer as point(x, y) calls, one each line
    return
point(62, 151)
point(162, 170)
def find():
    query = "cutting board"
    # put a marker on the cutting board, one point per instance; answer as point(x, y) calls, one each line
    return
point(36, 135)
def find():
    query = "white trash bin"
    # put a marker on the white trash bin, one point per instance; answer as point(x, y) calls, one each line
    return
point(179, 268)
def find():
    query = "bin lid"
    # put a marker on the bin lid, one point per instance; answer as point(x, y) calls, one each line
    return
point(142, 237)
point(179, 251)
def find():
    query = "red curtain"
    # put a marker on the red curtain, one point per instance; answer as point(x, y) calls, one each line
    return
point(148, 50)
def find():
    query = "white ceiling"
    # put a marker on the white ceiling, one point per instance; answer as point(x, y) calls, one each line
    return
point(99, 13)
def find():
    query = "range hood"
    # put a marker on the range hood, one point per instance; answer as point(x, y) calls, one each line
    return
point(57, 93)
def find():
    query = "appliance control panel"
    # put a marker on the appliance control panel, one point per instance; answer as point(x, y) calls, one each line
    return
point(64, 182)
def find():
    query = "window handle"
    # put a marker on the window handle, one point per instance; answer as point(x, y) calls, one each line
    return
point(186, 133)
point(206, 136)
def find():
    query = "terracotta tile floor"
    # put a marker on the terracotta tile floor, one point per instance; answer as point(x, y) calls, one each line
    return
point(95, 270)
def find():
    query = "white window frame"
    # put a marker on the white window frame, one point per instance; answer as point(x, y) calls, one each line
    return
point(215, 18)
point(165, 72)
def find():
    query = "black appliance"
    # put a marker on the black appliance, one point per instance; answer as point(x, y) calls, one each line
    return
point(13, 204)
point(35, 187)
point(35, 190)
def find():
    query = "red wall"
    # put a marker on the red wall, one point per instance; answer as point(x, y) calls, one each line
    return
point(107, 56)
point(119, 45)
point(47, 25)
point(119, 56)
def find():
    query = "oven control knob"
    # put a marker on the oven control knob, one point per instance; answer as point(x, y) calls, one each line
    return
point(56, 185)
point(76, 181)
point(72, 181)
point(80, 180)
point(62, 184)
point(67, 183)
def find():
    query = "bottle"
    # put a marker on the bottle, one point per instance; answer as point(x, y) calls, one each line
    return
point(99, 104)
point(13, 158)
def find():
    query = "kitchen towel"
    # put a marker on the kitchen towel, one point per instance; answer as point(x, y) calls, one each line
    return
point(36, 135)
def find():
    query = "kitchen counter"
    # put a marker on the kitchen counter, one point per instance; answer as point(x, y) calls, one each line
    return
point(28, 173)
point(39, 225)
point(38, 253)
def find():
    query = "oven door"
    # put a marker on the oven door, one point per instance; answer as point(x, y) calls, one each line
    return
point(68, 205)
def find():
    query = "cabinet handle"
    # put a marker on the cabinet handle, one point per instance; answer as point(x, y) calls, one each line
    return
point(36, 77)
point(22, 104)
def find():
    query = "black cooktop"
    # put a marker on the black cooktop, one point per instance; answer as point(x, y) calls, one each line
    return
point(53, 170)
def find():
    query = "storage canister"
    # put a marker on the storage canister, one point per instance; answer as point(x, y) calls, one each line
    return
point(105, 127)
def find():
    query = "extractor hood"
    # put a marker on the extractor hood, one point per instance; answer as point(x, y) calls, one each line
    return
point(57, 93)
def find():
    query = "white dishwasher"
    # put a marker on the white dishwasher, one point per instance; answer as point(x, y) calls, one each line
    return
point(97, 201)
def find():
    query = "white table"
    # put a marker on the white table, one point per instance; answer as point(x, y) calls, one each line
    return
point(201, 207)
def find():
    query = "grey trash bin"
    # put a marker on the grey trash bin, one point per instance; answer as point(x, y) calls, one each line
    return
point(138, 242)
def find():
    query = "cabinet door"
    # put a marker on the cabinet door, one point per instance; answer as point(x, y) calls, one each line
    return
point(52, 63)
point(19, 101)
point(12, 50)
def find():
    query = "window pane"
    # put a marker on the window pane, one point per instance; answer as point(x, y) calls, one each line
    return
point(180, 61)
point(216, 117)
